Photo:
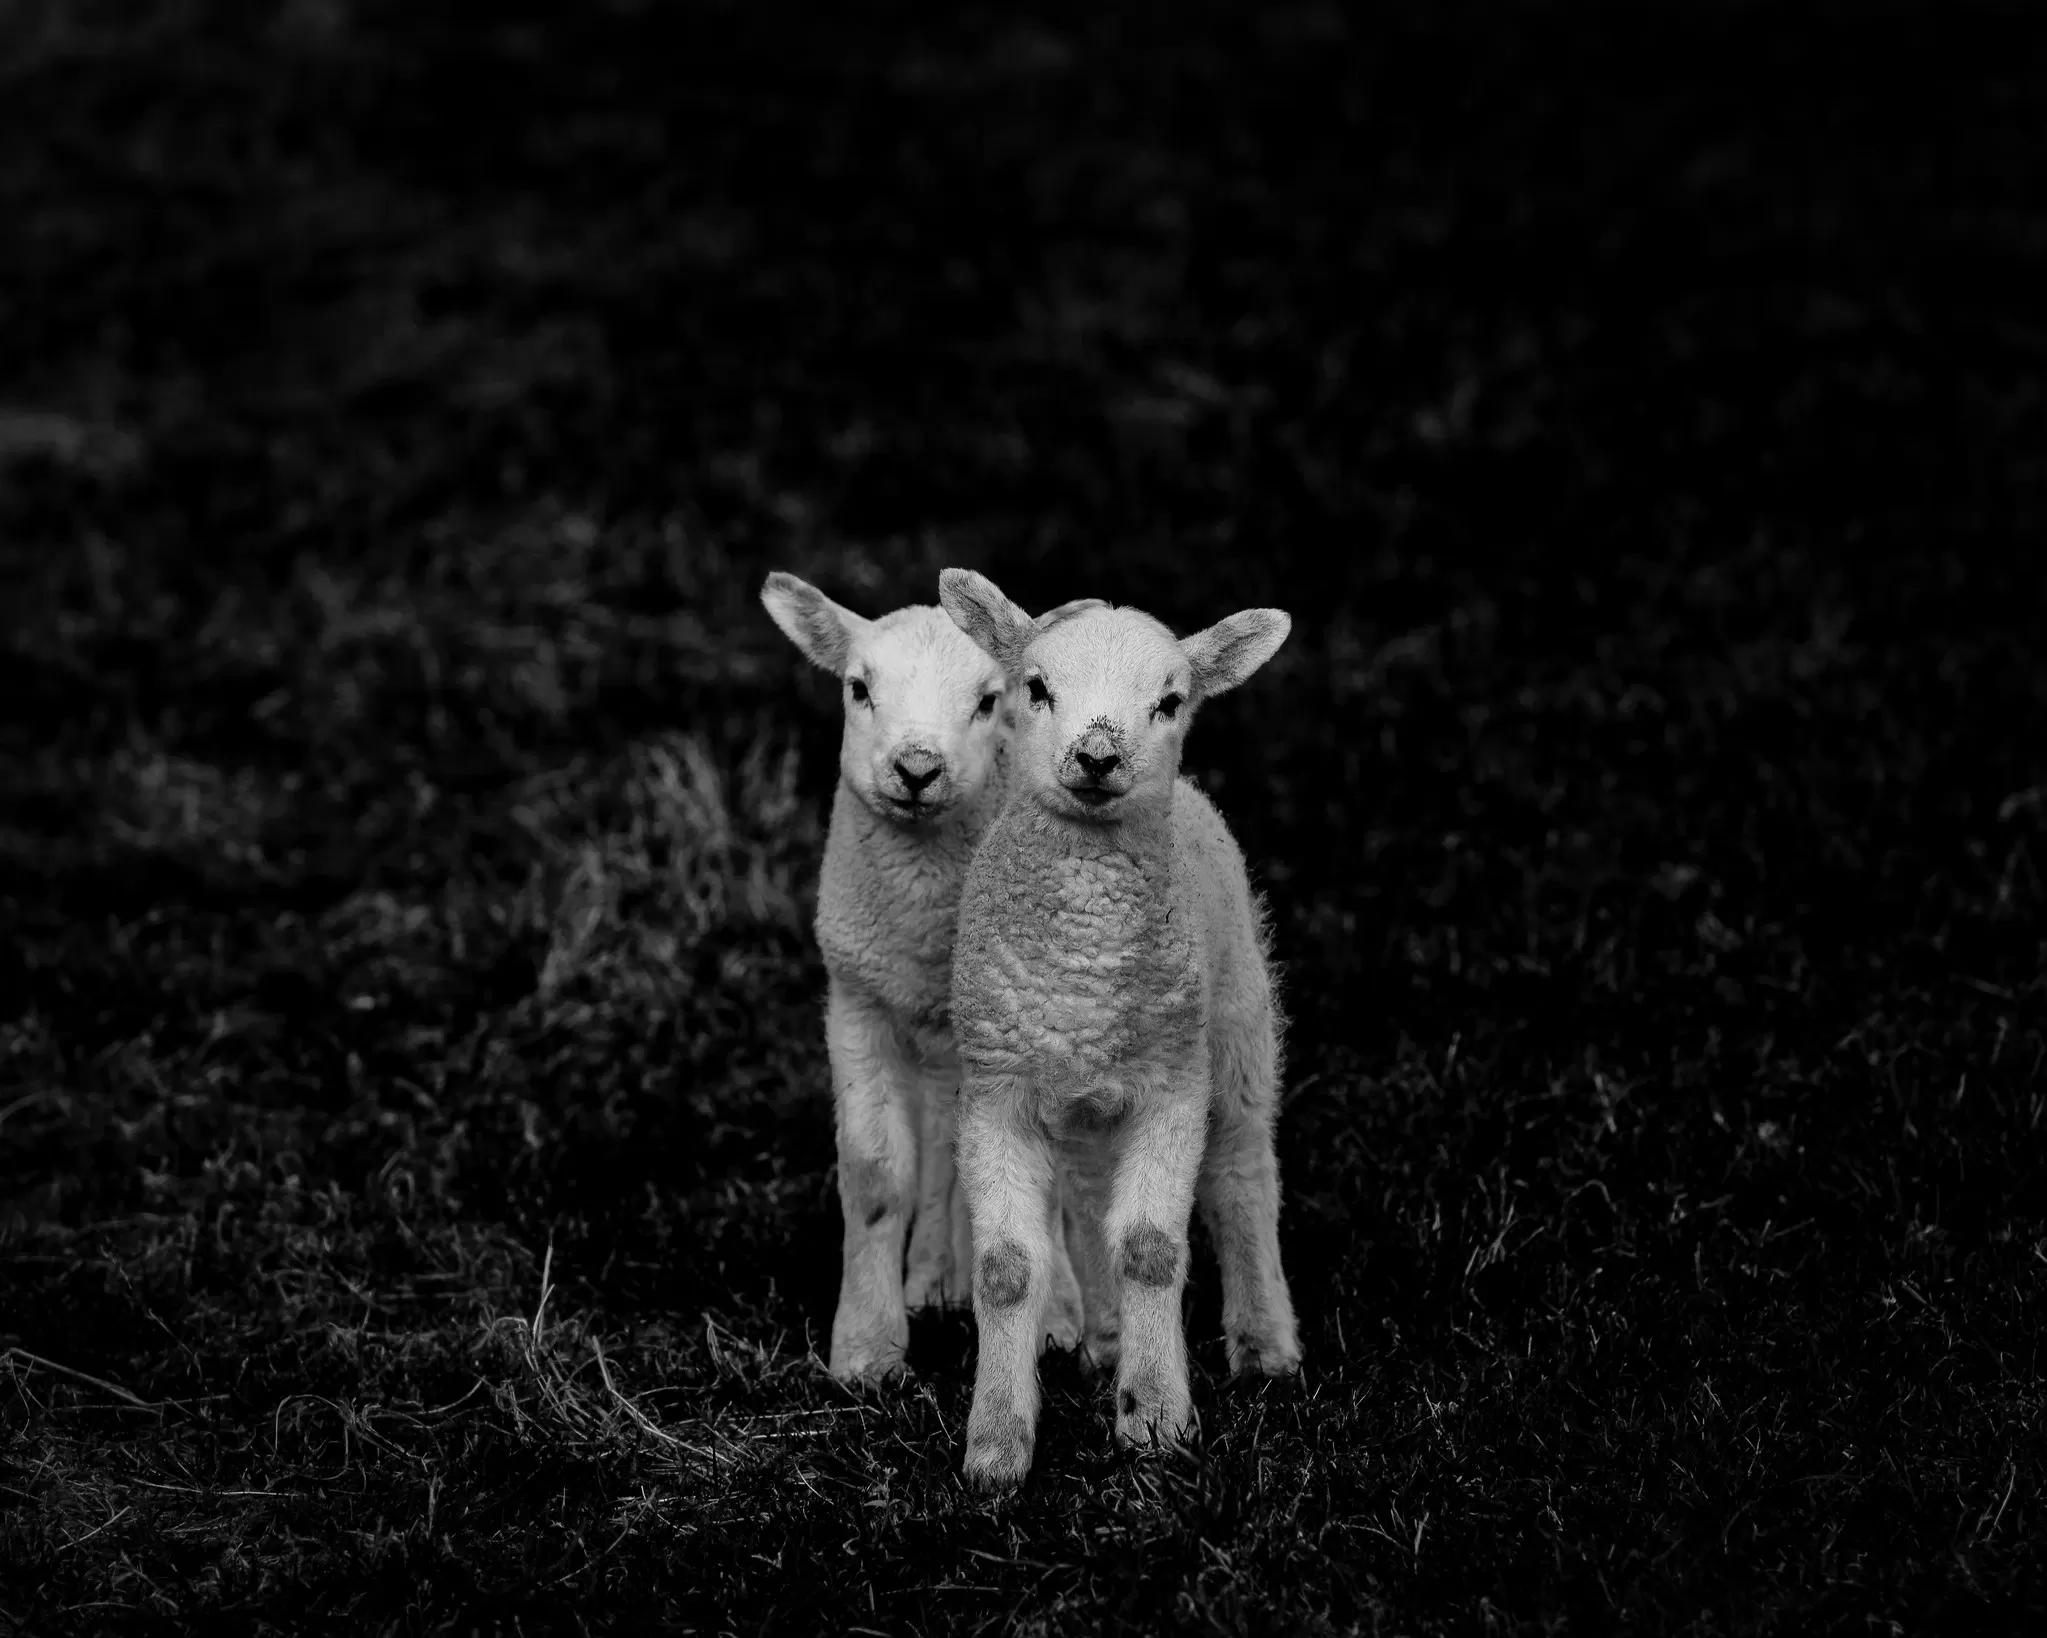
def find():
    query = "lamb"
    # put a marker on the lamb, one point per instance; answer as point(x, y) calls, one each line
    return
point(923, 764)
point(1114, 1011)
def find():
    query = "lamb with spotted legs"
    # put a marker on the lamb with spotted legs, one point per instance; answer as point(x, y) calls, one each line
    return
point(1113, 1005)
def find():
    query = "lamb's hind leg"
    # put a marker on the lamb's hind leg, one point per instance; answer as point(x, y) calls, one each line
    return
point(872, 1087)
point(941, 1251)
point(1065, 1308)
point(1007, 1168)
point(1087, 1182)
point(1239, 1193)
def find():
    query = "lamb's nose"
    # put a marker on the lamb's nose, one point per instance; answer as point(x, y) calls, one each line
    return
point(917, 769)
point(1096, 767)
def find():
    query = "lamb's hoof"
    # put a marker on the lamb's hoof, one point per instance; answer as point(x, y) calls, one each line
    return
point(1254, 1356)
point(1063, 1325)
point(998, 1452)
point(1100, 1355)
point(939, 1284)
point(870, 1362)
point(1149, 1419)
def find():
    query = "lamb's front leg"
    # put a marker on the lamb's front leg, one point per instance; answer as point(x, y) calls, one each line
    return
point(872, 1087)
point(941, 1260)
point(1007, 1169)
point(1151, 1200)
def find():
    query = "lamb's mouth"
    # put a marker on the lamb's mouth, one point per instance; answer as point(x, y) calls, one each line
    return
point(1092, 796)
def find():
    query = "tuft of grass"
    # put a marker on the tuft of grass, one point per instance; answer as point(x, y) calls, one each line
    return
point(416, 1192)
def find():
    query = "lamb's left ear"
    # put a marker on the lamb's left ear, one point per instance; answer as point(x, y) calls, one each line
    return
point(978, 607)
point(1230, 650)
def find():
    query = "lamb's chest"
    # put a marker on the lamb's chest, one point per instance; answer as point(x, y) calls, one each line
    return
point(887, 925)
point(1114, 965)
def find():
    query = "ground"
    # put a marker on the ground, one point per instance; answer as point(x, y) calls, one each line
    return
point(416, 1196)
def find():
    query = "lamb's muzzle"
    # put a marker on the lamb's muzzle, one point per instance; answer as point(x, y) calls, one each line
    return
point(920, 785)
point(1095, 770)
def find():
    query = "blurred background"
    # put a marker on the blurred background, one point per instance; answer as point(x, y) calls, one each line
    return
point(409, 818)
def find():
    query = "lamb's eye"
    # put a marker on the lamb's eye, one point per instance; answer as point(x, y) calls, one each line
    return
point(1040, 694)
point(987, 706)
point(1168, 706)
point(859, 690)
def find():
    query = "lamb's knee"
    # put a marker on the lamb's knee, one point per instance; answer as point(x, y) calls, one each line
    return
point(1003, 1274)
point(1151, 1256)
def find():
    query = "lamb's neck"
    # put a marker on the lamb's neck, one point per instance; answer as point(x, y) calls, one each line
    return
point(943, 842)
point(1143, 838)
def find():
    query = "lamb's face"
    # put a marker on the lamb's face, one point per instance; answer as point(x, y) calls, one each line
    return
point(925, 716)
point(1106, 692)
point(1103, 715)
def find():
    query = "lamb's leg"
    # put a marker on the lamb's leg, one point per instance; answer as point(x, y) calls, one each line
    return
point(872, 1086)
point(1149, 1208)
point(938, 1264)
point(1087, 1200)
point(1239, 1195)
point(1007, 1168)
point(960, 1292)
point(1240, 1204)
point(942, 1237)
point(1065, 1310)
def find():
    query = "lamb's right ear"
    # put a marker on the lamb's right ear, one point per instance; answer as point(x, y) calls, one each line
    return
point(978, 608)
point(812, 621)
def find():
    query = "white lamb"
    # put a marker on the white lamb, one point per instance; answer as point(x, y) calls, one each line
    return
point(923, 765)
point(1115, 1018)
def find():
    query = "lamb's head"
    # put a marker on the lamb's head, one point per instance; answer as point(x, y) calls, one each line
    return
point(928, 713)
point(1108, 693)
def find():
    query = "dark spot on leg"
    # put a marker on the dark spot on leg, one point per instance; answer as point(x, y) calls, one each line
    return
point(876, 1212)
point(1150, 1256)
point(1129, 1403)
point(1005, 1274)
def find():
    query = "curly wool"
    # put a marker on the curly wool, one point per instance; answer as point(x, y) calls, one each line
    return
point(1088, 960)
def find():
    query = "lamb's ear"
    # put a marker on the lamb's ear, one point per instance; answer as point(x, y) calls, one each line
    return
point(812, 621)
point(1230, 650)
point(978, 608)
point(1066, 611)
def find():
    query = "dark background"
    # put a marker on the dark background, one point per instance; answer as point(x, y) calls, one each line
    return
point(409, 819)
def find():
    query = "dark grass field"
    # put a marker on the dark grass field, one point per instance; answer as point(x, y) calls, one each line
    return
point(416, 1196)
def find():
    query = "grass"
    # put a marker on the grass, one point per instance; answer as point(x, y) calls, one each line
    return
point(416, 1196)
